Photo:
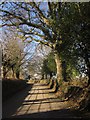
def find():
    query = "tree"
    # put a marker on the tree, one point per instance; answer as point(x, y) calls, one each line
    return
point(39, 24)
point(45, 69)
point(12, 55)
point(57, 26)
point(49, 65)
point(75, 47)
point(84, 35)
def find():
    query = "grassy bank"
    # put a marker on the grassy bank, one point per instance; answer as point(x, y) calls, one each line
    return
point(10, 87)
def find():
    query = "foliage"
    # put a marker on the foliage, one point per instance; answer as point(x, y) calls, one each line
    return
point(75, 47)
point(62, 26)
point(49, 65)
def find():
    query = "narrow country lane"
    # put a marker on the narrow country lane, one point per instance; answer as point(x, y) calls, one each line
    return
point(36, 102)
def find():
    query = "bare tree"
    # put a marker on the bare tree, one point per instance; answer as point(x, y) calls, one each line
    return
point(36, 22)
point(13, 55)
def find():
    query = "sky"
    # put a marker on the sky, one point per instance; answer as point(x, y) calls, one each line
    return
point(31, 47)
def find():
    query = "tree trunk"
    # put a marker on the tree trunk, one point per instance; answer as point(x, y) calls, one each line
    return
point(13, 73)
point(42, 76)
point(58, 66)
point(17, 74)
point(45, 76)
point(64, 74)
point(4, 72)
point(50, 75)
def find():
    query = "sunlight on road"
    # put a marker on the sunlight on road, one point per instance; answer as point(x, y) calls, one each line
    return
point(39, 100)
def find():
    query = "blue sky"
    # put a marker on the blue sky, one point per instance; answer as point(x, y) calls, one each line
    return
point(33, 44)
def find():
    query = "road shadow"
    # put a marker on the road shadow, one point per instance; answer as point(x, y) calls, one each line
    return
point(41, 84)
point(61, 114)
point(45, 107)
point(39, 93)
point(10, 106)
point(47, 88)
point(45, 100)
